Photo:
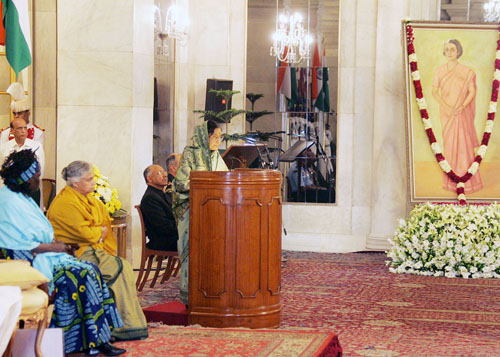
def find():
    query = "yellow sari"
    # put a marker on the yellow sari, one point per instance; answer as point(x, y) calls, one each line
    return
point(78, 219)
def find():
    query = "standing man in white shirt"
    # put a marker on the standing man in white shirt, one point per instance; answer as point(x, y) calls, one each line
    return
point(20, 107)
point(21, 142)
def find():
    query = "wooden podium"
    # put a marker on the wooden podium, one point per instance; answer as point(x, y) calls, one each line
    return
point(235, 248)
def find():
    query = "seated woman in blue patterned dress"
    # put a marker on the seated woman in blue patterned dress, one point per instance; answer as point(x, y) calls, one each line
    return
point(83, 307)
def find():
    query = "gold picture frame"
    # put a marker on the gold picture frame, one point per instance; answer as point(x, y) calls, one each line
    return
point(442, 77)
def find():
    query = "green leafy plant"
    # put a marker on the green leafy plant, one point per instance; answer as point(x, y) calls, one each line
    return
point(254, 136)
point(252, 115)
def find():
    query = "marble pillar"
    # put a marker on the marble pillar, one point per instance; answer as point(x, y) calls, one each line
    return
point(45, 79)
point(105, 68)
point(389, 198)
point(216, 48)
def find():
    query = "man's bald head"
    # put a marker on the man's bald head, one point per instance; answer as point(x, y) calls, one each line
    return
point(156, 176)
point(173, 161)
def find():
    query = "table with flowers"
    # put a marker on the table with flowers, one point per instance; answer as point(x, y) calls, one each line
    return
point(119, 227)
point(109, 196)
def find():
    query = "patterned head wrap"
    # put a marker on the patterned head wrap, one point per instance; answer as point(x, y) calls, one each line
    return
point(27, 174)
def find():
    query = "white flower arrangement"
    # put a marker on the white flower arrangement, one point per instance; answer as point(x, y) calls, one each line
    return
point(448, 240)
point(107, 195)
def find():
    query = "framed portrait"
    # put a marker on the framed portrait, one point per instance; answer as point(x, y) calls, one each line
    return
point(456, 64)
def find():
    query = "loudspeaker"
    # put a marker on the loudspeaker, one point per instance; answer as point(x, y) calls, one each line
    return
point(214, 103)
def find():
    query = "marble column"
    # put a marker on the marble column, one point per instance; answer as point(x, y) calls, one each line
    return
point(105, 94)
point(44, 78)
point(216, 48)
point(389, 197)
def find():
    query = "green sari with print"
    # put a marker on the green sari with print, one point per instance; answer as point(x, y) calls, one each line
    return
point(196, 157)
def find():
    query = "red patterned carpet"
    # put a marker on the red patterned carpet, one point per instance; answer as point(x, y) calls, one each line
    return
point(377, 313)
point(186, 341)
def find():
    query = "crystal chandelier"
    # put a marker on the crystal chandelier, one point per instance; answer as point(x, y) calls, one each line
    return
point(175, 27)
point(290, 41)
point(492, 11)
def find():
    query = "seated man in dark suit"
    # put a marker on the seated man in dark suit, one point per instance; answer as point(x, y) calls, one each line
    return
point(159, 221)
point(172, 163)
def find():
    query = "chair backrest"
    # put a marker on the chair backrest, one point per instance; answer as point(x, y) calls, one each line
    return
point(143, 227)
point(49, 191)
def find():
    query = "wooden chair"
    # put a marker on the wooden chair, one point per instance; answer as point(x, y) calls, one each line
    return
point(173, 261)
point(48, 191)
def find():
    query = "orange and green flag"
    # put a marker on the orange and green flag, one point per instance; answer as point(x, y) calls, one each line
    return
point(17, 33)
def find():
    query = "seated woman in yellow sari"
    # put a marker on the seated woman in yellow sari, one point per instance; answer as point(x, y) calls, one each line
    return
point(78, 217)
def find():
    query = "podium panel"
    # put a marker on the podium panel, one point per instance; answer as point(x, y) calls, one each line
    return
point(235, 248)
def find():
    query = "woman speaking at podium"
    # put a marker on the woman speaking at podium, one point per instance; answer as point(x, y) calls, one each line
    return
point(201, 155)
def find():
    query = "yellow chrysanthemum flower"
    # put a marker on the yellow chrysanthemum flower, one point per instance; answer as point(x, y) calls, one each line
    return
point(74, 296)
point(82, 288)
point(106, 194)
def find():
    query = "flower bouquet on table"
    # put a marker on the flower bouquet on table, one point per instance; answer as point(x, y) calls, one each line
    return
point(107, 195)
point(449, 240)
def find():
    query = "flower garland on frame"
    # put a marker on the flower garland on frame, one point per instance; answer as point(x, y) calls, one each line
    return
point(422, 106)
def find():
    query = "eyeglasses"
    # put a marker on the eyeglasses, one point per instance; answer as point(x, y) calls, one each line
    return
point(19, 113)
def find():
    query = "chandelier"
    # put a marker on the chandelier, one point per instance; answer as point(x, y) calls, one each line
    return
point(290, 41)
point(174, 27)
point(492, 11)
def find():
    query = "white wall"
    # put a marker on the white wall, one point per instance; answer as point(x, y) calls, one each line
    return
point(371, 169)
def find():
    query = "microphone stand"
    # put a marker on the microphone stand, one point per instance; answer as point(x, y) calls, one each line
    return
point(320, 152)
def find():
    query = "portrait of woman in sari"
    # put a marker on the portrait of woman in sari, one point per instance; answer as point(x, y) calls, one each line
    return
point(201, 155)
point(454, 88)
